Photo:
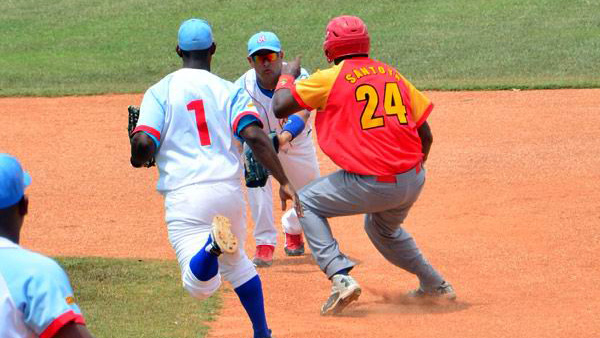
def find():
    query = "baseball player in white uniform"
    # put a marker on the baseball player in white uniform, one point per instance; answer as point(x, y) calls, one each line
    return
point(188, 121)
point(297, 152)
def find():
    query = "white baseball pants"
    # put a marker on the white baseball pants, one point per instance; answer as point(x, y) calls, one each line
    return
point(189, 212)
point(301, 166)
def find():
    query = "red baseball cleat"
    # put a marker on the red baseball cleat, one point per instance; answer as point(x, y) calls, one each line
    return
point(264, 256)
point(294, 245)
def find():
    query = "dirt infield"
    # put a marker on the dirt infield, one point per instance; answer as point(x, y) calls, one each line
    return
point(510, 214)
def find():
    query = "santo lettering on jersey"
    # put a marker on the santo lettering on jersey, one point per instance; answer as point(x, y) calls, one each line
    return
point(367, 116)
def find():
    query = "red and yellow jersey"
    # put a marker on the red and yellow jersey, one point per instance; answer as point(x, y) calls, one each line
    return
point(367, 116)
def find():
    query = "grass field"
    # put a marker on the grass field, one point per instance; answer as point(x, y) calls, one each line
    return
point(71, 47)
point(132, 298)
point(68, 47)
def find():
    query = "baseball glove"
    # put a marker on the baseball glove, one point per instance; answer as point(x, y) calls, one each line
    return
point(134, 115)
point(256, 174)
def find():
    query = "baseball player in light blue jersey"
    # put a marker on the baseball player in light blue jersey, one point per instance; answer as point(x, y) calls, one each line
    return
point(36, 299)
point(297, 151)
point(189, 122)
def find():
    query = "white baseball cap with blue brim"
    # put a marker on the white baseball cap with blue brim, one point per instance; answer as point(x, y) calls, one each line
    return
point(194, 34)
point(263, 40)
point(13, 181)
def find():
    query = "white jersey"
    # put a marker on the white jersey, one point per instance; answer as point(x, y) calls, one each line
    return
point(263, 103)
point(298, 158)
point(193, 116)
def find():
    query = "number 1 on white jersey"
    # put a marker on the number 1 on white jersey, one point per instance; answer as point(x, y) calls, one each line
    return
point(197, 107)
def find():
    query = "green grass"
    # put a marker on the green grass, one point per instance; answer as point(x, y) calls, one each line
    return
point(134, 298)
point(97, 46)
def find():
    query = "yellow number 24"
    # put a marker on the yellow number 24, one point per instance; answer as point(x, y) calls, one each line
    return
point(392, 105)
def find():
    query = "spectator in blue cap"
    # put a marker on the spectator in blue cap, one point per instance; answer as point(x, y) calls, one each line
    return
point(36, 286)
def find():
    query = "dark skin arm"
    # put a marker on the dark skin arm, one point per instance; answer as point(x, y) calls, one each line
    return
point(73, 330)
point(284, 103)
point(264, 152)
point(142, 149)
point(426, 139)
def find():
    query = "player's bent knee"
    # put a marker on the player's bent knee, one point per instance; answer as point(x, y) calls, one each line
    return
point(237, 275)
point(200, 292)
point(199, 289)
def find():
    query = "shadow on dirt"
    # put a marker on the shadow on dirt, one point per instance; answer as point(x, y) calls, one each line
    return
point(399, 303)
point(291, 261)
point(305, 259)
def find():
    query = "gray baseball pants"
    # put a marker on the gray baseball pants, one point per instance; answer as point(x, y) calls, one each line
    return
point(385, 205)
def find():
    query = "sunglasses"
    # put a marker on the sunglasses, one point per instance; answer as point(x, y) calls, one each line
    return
point(266, 57)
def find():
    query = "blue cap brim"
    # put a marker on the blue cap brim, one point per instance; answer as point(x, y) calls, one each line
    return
point(26, 179)
point(274, 49)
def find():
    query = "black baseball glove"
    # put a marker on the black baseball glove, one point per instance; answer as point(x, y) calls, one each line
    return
point(134, 115)
point(256, 174)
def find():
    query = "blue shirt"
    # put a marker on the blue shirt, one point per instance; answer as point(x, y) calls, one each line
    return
point(36, 298)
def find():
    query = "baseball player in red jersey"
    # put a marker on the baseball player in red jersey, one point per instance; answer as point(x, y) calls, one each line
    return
point(372, 123)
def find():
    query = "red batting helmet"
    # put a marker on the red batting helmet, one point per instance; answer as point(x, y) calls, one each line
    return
point(345, 35)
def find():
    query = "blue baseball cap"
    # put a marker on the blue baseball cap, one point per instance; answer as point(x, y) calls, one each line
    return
point(264, 40)
point(13, 181)
point(194, 34)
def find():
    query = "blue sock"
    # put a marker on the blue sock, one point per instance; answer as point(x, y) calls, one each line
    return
point(251, 296)
point(204, 265)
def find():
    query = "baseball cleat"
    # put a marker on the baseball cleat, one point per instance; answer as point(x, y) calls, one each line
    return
point(344, 290)
point(443, 292)
point(222, 236)
point(294, 245)
point(264, 256)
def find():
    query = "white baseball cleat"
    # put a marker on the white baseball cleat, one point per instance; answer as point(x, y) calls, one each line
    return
point(222, 236)
point(344, 290)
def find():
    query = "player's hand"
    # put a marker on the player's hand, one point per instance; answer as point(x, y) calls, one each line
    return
point(284, 138)
point(287, 192)
point(291, 67)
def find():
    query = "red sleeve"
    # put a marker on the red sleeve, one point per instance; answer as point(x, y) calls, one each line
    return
point(61, 321)
point(239, 118)
point(147, 129)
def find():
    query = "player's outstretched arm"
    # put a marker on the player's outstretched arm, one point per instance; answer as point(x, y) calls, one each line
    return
point(263, 150)
point(284, 103)
point(142, 149)
point(426, 139)
point(293, 127)
point(73, 330)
